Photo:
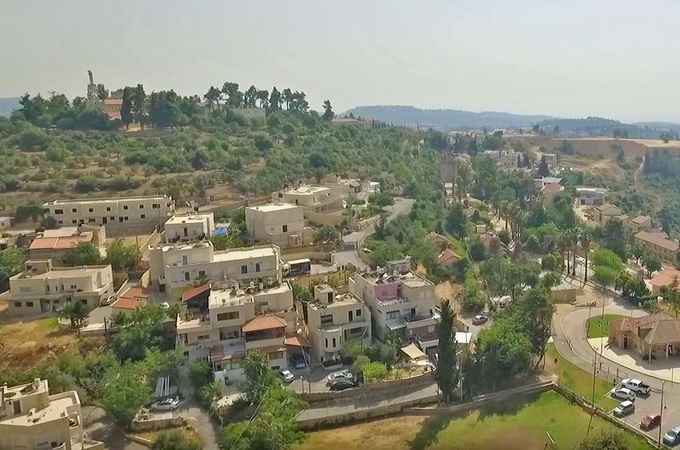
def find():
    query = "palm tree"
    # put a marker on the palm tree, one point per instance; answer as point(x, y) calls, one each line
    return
point(586, 238)
point(574, 234)
point(563, 242)
point(75, 312)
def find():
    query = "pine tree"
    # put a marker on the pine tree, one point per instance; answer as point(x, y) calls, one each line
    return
point(447, 374)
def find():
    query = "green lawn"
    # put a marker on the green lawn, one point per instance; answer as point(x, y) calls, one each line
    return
point(518, 424)
point(599, 326)
point(578, 380)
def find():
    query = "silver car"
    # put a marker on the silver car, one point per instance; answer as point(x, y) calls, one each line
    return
point(169, 404)
point(342, 375)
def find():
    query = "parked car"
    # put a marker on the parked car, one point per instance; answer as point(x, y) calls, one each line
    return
point(624, 408)
point(297, 362)
point(342, 375)
point(636, 386)
point(168, 404)
point(650, 421)
point(341, 384)
point(624, 394)
point(672, 436)
point(286, 376)
point(479, 319)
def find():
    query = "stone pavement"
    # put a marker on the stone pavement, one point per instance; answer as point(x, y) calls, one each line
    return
point(658, 368)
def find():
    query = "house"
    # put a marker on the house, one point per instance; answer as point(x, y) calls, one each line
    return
point(112, 107)
point(128, 213)
point(551, 160)
point(665, 279)
point(31, 418)
point(658, 245)
point(549, 192)
point(58, 244)
point(505, 158)
point(332, 319)
point(641, 223)
point(448, 257)
point(651, 336)
point(352, 188)
point(540, 183)
point(606, 212)
point(280, 224)
point(590, 196)
point(189, 227)
point(313, 199)
point(5, 222)
point(402, 304)
point(130, 300)
point(42, 287)
point(220, 324)
point(174, 267)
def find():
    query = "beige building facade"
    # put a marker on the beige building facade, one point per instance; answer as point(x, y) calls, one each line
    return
point(41, 287)
point(314, 199)
point(189, 227)
point(32, 419)
point(658, 245)
point(279, 224)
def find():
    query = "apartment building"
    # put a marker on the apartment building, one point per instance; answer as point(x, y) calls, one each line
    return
point(658, 244)
point(32, 419)
point(221, 323)
point(401, 303)
point(313, 199)
point(189, 227)
point(280, 224)
point(551, 160)
point(505, 159)
point(540, 183)
point(590, 196)
point(148, 211)
point(333, 319)
point(174, 267)
point(41, 287)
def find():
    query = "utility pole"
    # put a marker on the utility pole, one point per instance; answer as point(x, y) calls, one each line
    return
point(661, 414)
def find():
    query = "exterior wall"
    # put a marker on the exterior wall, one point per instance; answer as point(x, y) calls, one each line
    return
point(5, 222)
point(590, 198)
point(188, 228)
point(660, 252)
point(313, 199)
point(340, 328)
point(282, 227)
point(136, 210)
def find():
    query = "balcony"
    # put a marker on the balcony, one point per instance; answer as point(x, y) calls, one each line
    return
point(197, 321)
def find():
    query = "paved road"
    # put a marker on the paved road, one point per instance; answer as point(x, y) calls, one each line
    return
point(400, 206)
point(569, 335)
point(98, 425)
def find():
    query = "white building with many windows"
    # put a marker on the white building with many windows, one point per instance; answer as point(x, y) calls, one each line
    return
point(281, 224)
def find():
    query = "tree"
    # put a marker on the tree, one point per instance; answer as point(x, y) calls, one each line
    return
point(447, 374)
point(174, 440)
point(49, 222)
point(234, 96)
point(102, 92)
point(671, 295)
point(543, 168)
point(613, 237)
point(606, 258)
point(275, 100)
point(126, 108)
point(651, 263)
point(328, 113)
point(260, 379)
point(606, 440)
point(139, 105)
point(213, 98)
point(126, 390)
point(263, 97)
point(123, 257)
point(85, 254)
point(604, 276)
point(456, 221)
point(586, 237)
point(75, 312)
point(325, 234)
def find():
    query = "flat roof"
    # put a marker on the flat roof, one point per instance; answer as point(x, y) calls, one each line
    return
point(236, 255)
point(59, 243)
point(274, 207)
point(57, 409)
point(192, 218)
point(307, 190)
point(338, 301)
point(59, 272)
point(105, 200)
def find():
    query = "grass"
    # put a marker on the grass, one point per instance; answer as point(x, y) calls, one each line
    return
point(520, 423)
point(599, 326)
point(578, 380)
point(187, 432)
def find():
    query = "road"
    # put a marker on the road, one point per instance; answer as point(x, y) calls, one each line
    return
point(569, 335)
point(98, 425)
point(400, 206)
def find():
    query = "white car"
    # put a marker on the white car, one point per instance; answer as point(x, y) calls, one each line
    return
point(287, 376)
point(342, 375)
point(636, 386)
point(624, 394)
point(168, 404)
point(624, 408)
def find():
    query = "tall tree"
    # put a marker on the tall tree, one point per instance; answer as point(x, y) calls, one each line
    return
point(75, 312)
point(287, 96)
point(275, 100)
point(102, 92)
point(447, 374)
point(250, 97)
point(126, 108)
point(328, 113)
point(213, 98)
point(543, 168)
point(85, 254)
point(263, 97)
point(139, 105)
point(586, 238)
point(260, 379)
point(234, 96)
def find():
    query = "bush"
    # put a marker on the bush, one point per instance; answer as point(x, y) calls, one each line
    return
point(473, 304)
point(87, 184)
point(375, 371)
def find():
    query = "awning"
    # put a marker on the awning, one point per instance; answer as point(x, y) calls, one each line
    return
point(194, 292)
point(264, 323)
point(413, 352)
point(297, 341)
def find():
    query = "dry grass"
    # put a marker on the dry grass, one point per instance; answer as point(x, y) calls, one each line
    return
point(188, 432)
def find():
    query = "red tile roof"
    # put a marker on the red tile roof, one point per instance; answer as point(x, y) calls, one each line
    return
point(297, 341)
point(666, 277)
point(264, 323)
point(448, 255)
point(194, 292)
point(132, 299)
point(552, 187)
point(58, 243)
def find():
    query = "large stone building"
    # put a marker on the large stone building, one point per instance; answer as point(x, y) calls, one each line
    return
point(658, 244)
point(221, 324)
point(314, 199)
point(43, 288)
point(32, 419)
point(189, 227)
point(655, 336)
point(402, 304)
point(331, 320)
point(281, 224)
point(129, 212)
point(174, 267)
point(590, 196)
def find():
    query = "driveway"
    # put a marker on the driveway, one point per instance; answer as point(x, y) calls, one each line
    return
point(99, 426)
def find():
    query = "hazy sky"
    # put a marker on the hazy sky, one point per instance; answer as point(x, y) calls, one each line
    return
point(613, 58)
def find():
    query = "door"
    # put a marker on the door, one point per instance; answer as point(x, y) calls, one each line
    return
point(625, 342)
point(105, 220)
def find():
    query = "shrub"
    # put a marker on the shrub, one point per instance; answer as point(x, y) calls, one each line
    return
point(375, 371)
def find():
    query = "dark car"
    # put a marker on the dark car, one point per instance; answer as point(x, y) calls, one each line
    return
point(650, 421)
point(342, 384)
point(672, 436)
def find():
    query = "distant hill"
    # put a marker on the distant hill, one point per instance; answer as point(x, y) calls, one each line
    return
point(670, 126)
point(7, 105)
point(445, 119)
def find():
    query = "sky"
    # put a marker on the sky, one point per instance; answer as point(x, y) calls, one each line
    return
point(569, 58)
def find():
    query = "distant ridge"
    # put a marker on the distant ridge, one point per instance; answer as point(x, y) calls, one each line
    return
point(7, 105)
point(446, 119)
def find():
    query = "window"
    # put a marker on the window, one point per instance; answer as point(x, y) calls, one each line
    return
point(17, 304)
point(201, 273)
point(275, 355)
point(126, 218)
point(120, 219)
point(29, 304)
point(60, 222)
point(156, 206)
point(142, 216)
point(125, 207)
point(185, 260)
point(285, 228)
point(58, 211)
point(74, 222)
point(351, 315)
point(333, 342)
point(108, 208)
point(187, 276)
point(74, 210)
point(326, 342)
point(141, 206)
point(90, 210)
point(83, 301)
point(203, 337)
point(393, 315)
point(280, 194)
point(257, 267)
point(228, 315)
point(91, 220)
point(112, 218)
point(244, 269)
point(74, 287)
point(358, 313)
point(56, 302)
point(327, 319)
